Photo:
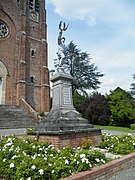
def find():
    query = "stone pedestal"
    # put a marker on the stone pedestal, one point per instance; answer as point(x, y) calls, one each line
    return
point(64, 123)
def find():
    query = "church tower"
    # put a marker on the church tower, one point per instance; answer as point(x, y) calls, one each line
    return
point(24, 71)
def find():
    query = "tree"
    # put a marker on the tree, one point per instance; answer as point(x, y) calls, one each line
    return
point(122, 108)
point(96, 108)
point(78, 99)
point(85, 75)
point(133, 86)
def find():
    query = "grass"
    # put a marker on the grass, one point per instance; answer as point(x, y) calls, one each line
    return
point(115, 128)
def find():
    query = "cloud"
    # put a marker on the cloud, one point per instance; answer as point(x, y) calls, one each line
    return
point(114, 12)
point(78, 9)
point(106, 31)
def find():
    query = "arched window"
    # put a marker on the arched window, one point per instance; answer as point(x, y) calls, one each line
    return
point(32, 79)
point(32, 53)
point(34, 5)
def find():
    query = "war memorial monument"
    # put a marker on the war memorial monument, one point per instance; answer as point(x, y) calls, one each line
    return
point(64, 125)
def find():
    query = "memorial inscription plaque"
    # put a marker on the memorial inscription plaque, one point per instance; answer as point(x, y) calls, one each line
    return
point(66, 95)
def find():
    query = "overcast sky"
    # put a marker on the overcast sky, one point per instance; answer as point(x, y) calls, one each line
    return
point(103, 28)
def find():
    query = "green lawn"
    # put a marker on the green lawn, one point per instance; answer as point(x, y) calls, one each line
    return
point(115, 128)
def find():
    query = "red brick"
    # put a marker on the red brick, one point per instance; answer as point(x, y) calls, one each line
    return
point(24, 35)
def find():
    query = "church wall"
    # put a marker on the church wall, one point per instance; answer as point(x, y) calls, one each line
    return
point(24, 53)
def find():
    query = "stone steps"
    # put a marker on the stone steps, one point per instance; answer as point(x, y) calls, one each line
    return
point(14, 117)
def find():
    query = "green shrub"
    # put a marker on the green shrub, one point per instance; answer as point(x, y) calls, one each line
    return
point(27, 159)
point(132, 126)
point(86, 144)
point(122, 144)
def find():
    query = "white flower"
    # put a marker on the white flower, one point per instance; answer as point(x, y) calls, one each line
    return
point(58, 151)
point(103, 161)
point(129, 134)
point(9, 139)
point(40, 149)
point(87, 161)
point(66, 161)
point(12, 165)
point(83, 160)
point(52, 171)
point(33, 146)
point(77, 162)
point(82, 155)
point(24, 153)
point(90, 165)
point(14, 157)
point(33, 157)
point(33, 167)
point(4, 159)
point(49, 164)
point(45, 158)
point(41, 171)
point(50, 146)
point(97, 159)
point(29, 178)
point(11, 149)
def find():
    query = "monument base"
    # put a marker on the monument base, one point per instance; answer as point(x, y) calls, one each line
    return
point(64, 125)
point(69, 138)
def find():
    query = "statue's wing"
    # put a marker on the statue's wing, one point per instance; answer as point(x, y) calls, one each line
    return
point(65, 28)
point(60, 25)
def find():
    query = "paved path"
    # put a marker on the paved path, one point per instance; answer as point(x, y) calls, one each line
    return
point(21, 131)
point(7, 132)
point(117, 132)
point(128, 174)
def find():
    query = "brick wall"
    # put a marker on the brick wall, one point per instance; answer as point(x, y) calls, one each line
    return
point(24, 36)
point(73, 139)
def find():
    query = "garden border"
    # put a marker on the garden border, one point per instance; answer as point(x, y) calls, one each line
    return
point(107, 170)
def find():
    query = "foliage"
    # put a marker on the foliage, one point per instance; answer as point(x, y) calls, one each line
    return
point(85, 74)
point(122, 108)
point(132, 126)
point(133, 86)
point(41, 114)
point(96, 109)
point(122, 144)
point(27, 159)
point(78, 100)
point(86, 144)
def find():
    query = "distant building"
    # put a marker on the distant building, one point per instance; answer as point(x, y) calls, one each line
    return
point(23, 54)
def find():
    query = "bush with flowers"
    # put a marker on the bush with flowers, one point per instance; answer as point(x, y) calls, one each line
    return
point(32, 160)
point(118, 144)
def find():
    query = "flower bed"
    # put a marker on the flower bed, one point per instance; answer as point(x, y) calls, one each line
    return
point(26, 159)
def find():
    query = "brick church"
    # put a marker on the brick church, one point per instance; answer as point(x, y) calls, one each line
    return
point(24, 73)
